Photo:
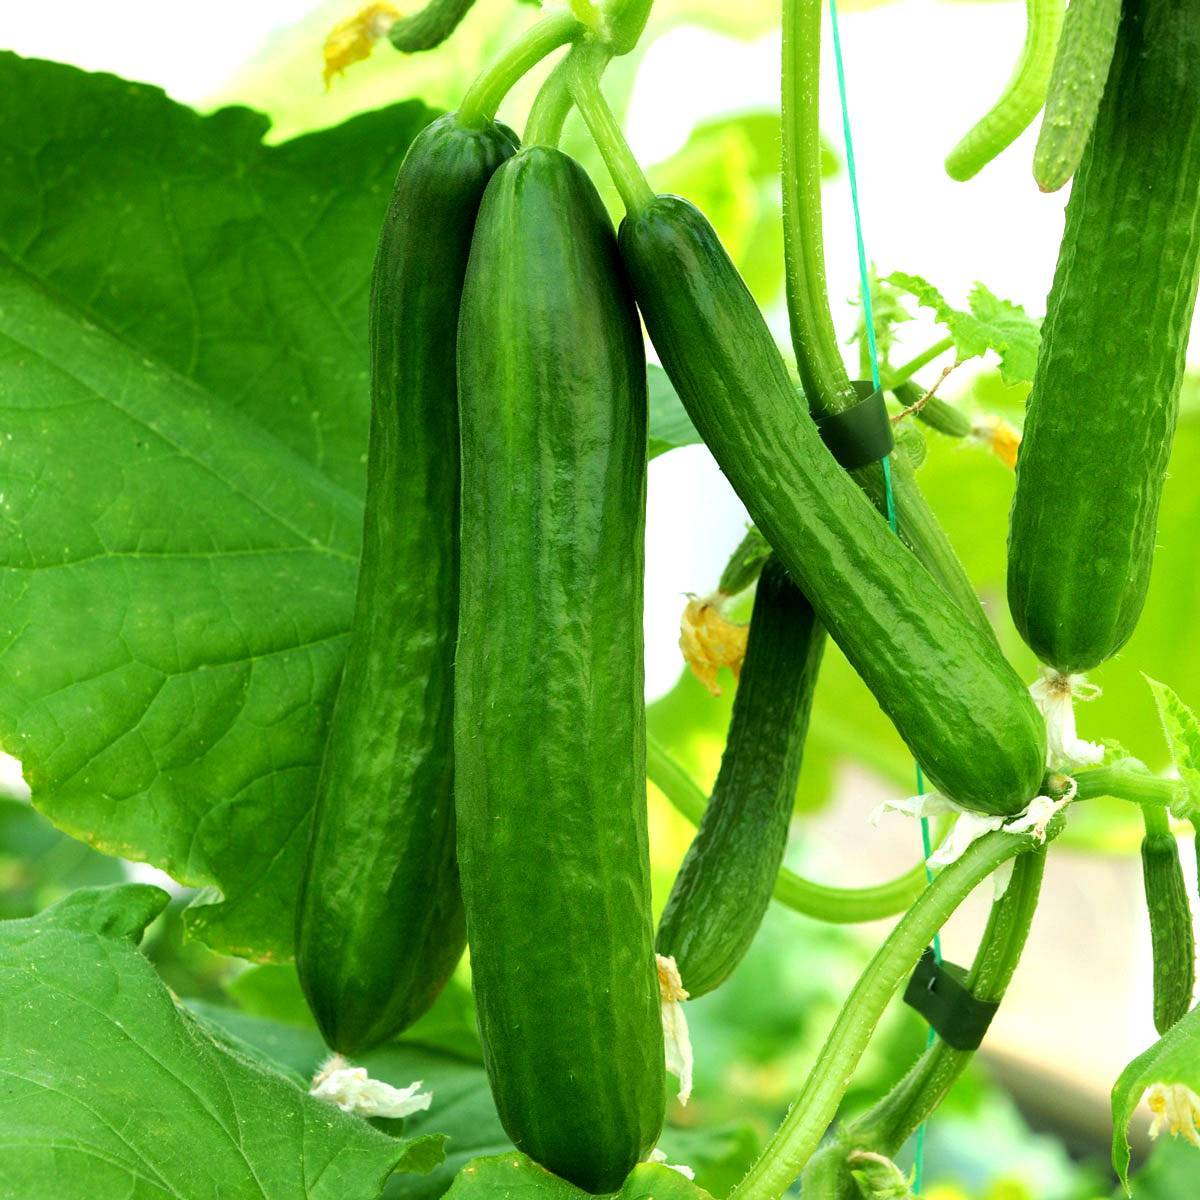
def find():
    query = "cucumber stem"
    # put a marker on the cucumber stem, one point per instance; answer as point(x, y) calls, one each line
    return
point(626, 19)
point(632, 185)
point(1135, 784)
point(483, 97)
point(833, 905)
point(904, 373)
point(798, 1136)
point(818, 356)
point(887, 1125)
point(1156, 821)
point(551, 105)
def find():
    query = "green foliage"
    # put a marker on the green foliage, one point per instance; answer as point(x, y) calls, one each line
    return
point(670, 426)
point(130, 1094)
point(184, 457)
point(1172, 1067)
point(38, 864)
point(988, 324)
point(514, 1177)
point(1182, 731)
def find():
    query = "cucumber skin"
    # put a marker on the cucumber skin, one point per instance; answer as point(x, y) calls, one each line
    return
point(549, 711)
point(379, 921)
point(958, 704)
point(724, 886)
point(1081, 65)
point(1171, 931)
point(1101, 416)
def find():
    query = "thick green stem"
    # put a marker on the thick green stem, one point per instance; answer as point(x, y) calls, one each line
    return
point(818, 355)
point(1126, 782)
point(886, 1126)
point(795, 1140)
point(834, 905)
point(1157, 823)
point(625, 20)
point(552, 104)
point(483, 97)
point(890, 1123)
point(635, 191)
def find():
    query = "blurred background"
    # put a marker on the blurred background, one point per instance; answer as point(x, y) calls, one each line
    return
point(700, 101)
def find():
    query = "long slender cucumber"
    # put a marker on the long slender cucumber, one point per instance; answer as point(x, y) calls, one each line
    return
point(549, 717)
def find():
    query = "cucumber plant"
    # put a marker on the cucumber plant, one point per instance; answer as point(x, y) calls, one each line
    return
point(483, 770)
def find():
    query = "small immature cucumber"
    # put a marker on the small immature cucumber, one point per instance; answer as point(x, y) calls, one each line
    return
point(379, 924)
point(725, 883)
point(935, 412)
point(430, 26)
point(1081, 65)
point(958, 704)
point(550, 738)
point(1101, 416)
point(1171, 934)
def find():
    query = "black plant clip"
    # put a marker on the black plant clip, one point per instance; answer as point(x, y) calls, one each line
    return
point(940, 994)
point(862, 433)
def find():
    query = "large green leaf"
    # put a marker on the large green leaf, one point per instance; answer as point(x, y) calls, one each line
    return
point(242, 267)
point(111, 1091)
point(182, 346)
point(461, 1109)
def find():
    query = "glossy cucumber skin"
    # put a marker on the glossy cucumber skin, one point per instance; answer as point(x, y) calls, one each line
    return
point(1101, 416)
point(958, 704)
point(549, 712)
point(379, 924)
point(725, 883)
point(1171, 935)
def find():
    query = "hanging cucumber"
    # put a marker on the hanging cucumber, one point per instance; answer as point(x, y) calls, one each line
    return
point(1081, 66)
point(1022, 98)
point(957, 703)
point(1101, 416)
point(1171, 935)
point(379, 923)
point(549, 713)
point(725, 883)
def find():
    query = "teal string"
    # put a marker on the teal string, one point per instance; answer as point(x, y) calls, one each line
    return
point(864, 283)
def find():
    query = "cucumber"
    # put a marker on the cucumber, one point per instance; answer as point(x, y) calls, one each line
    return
point(428, 27)
point(1101, 415)
point(1081, 66)
point(725, 883)
point(1022, 98)
point(549, 713)
point(958, 704)
point(379, 921)
point(1171, 935)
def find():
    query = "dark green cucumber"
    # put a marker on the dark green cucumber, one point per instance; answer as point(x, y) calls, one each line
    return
point(1171, 935)
point(958, 704)
point(379, 922)
point(1081, 63)
point(428, 27)
point(1101, 416)
point(549, 714)
point(725, 883)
